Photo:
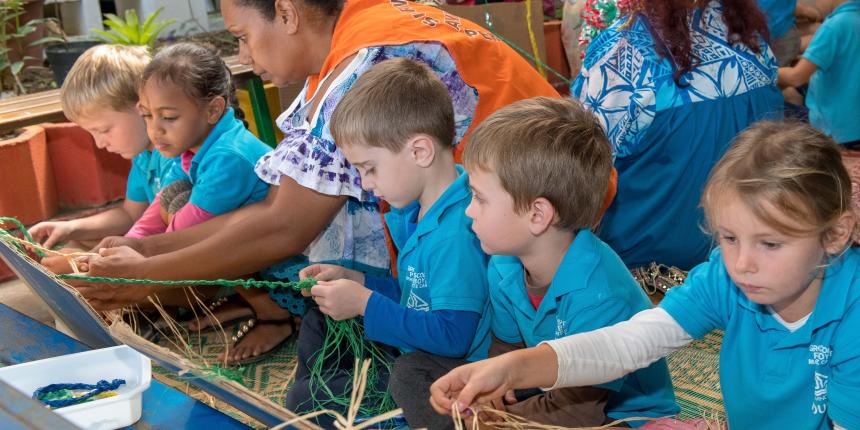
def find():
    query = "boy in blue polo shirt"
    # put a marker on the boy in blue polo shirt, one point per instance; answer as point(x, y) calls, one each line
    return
point(831, 66)
point(396, 126)
point(539, 169)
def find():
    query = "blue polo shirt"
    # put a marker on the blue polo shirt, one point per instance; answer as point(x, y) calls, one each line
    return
point(440, 265)
point(772, 378)
point(780, 16)
point(833, 98)
point(150, 172)
point(222, 171)
point(591, 289)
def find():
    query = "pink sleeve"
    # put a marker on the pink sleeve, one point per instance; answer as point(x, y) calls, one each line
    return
point(149, 223)
point(187, 216)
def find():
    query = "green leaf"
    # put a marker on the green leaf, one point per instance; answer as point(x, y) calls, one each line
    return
point(16, 67)
point(133, 24)
point(23, 31)
point(47, 39)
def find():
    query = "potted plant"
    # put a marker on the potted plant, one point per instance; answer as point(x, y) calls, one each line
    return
point(17, 44)
point(61, 56)
point(130, 31)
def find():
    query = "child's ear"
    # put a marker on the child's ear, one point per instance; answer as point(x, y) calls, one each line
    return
point(215, 109)
point(423, 149)
point(286, 14)
point(541, 216)
point(840, 235)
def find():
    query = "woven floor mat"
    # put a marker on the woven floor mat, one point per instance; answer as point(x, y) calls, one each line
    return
point(695, 371)
point(270, 377)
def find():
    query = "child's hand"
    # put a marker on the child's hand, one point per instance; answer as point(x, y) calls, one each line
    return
point(341, 299)
point(480, 382)
point(50, 233)
point(331, 272)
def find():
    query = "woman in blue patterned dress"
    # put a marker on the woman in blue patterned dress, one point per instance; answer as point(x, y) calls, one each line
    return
point(316, 210)
point(672, 90)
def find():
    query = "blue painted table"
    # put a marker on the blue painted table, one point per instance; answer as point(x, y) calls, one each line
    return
point(23, 339)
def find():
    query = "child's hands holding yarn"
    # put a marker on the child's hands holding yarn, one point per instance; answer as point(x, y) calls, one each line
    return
point(50, 233)
point(329, 272)
point(341, 299)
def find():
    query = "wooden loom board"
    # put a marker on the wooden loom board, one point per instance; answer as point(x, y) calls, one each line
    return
point(72, 310)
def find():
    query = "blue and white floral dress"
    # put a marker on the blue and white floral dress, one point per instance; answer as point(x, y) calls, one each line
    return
point(666, 137)
point(308, 155)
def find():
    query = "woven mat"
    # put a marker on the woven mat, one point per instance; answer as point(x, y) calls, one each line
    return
point(695, 371)
point(270, 377)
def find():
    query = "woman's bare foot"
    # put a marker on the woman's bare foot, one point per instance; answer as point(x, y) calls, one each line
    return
point(231, 310)
point(264, 337)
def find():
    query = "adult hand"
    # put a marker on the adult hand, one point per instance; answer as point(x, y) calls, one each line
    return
point(50, 233)
point(341, 299)
point(329, 272)
point(486, 381)
point(59, 264)
point(122, 262)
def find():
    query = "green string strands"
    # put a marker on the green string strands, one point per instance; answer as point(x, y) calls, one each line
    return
point(344, 338)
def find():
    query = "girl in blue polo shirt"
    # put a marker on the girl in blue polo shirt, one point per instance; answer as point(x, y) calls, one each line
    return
point(185, 101)
point(783, 284)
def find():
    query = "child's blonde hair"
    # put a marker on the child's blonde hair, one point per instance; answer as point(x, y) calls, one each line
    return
point(546, 147)
point(104, 76)
point(788, 166)
point(391, 102)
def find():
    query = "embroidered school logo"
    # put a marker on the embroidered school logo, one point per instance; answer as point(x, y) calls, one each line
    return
point(819, 355)
point(560, 329)
point(819, 403)
point(417, 303)
point(417, 279)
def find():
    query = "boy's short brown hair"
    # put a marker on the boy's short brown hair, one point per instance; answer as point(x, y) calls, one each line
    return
point(105, 76)
point(546, 147)
point(392, 102)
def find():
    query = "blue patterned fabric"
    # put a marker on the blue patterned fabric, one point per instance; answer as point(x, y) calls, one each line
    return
point(666, 137)
point(308, 155)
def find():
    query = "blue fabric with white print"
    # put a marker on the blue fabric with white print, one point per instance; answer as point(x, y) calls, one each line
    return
point(666, 137)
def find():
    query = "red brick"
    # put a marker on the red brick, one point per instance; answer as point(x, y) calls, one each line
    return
point(27, 189)
point(86, 175)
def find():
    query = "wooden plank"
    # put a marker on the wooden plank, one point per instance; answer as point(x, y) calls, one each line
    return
point(30, 109)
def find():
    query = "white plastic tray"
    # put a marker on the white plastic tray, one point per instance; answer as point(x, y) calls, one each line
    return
point(118, 362)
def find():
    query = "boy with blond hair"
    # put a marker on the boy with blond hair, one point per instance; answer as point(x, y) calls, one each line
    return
point(100, 94)
point(396, 126)
point(538, 170)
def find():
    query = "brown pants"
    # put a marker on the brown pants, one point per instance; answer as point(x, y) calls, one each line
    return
point(568, 407)
point(414, 372)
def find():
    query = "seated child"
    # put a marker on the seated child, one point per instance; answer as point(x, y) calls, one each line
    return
point(784, 284)
point(831, 65)
point(100, 95)
point(537, 169)
point(396, 126)
point(188, 102)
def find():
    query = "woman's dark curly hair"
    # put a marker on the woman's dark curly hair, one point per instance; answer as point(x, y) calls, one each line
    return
point(267, 7)
point(668, 19)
